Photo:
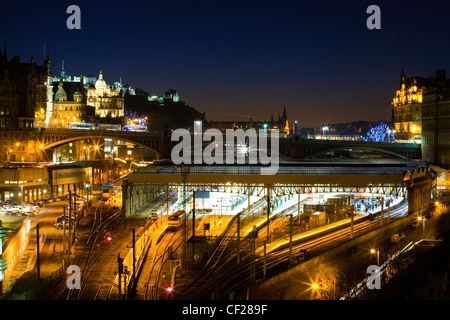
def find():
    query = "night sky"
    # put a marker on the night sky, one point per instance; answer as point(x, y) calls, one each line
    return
point(243, 57)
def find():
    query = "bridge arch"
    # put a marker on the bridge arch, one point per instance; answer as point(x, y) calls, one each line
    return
point(358, 148)
point(54, 144)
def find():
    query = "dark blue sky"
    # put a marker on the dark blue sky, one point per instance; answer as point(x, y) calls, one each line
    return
point(243, 57)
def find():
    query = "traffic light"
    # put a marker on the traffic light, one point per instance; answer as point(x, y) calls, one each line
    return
point(108, 237)
point(168, 290)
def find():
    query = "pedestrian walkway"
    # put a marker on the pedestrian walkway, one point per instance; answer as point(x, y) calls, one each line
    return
point(25, 284)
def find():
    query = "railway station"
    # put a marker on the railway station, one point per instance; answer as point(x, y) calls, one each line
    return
point(313, 180)
point(309, 196)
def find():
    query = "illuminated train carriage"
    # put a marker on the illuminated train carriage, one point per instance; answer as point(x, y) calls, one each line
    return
point(175, 220)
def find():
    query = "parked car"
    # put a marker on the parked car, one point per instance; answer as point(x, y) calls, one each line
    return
point(27, 208)
point(60, 225)
point(61, 219)
point(415, 224)
point(3, 211)
point(396, 237)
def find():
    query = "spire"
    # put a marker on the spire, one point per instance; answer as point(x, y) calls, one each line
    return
point(284, 114)
point(402, 79)
point(63, 72)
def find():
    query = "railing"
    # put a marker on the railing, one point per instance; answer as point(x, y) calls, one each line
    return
point(282, 170)
point(146, 133)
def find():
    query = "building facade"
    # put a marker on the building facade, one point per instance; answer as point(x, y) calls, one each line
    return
point(407, 106)
point(436, 122)
point(24, 93)
point(106, 100)
point(23, 184)
point(69, 105)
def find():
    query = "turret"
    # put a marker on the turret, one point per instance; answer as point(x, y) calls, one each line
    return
point(402, 80)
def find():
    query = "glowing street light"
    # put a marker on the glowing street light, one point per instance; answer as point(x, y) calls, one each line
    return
point(373, 251)
point(422, 220)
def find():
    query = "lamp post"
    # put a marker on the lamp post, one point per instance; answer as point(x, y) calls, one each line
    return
point(377, 251)
point(88, 192)
point(422, 220)
point(2, 261)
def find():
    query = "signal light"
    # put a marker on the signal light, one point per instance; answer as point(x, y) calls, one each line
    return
point(168, 290)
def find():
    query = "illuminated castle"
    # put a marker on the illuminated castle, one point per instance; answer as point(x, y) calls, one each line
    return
point(107, 101)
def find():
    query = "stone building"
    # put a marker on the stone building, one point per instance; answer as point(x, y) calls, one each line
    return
point(436, 122)
point(106, 100)
point(407, 107)
point(25, 93)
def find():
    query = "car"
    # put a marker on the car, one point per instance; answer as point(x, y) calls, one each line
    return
point(3, 211)
point(396, 237)
point(415, 224)
point(27, 209)
point(61, 219)
point(60, 225)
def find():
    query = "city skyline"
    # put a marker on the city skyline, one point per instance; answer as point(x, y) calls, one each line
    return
point(249, 58)
point(240, 151)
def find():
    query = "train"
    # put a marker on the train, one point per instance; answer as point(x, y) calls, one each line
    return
point(107, 126)
point(175, 220)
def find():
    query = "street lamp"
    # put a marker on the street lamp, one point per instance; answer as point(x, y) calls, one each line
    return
point(324, 129)
point(373, 251)
point(422, 220)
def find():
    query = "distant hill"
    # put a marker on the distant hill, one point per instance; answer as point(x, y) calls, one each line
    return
point(170, 114)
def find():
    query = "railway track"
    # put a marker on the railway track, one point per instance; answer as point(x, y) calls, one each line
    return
point(91, 261)
point(278, 259)
point(239, 276)
point(148, 281)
